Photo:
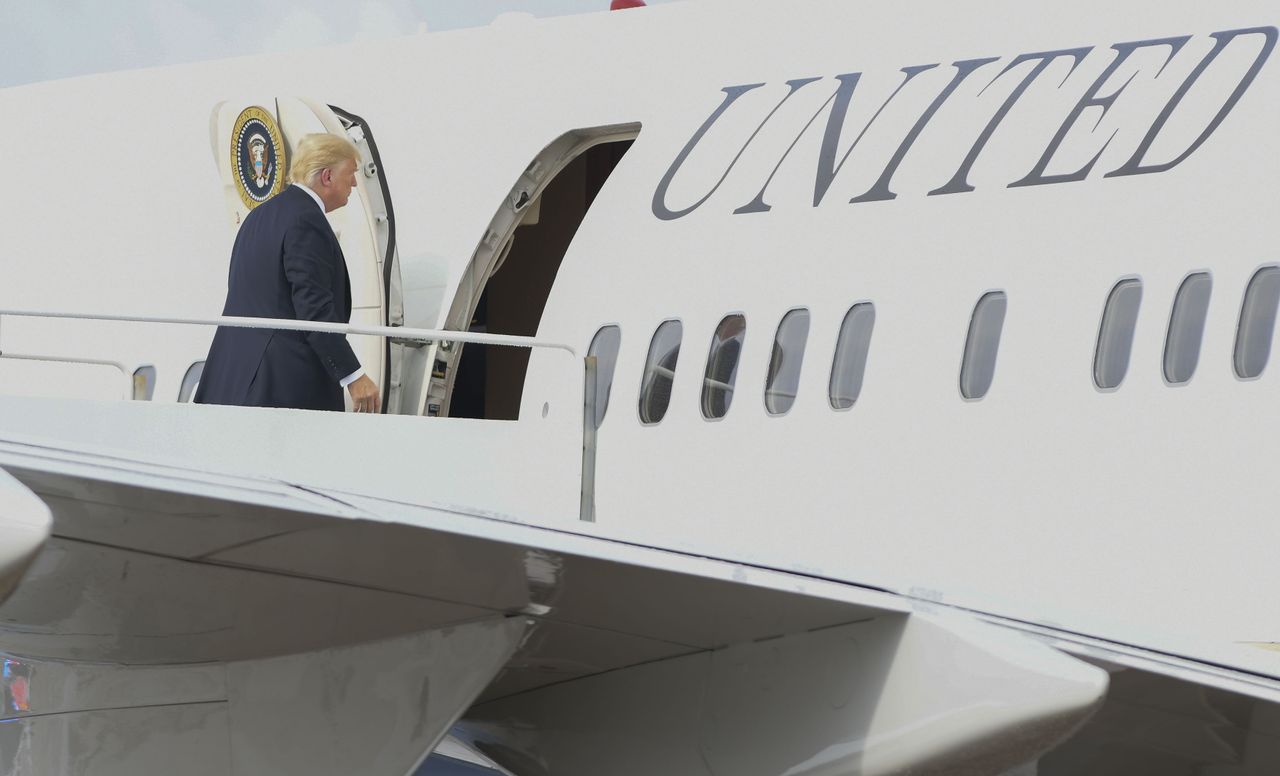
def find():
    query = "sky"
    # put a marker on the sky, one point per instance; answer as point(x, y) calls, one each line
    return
point(47, 39)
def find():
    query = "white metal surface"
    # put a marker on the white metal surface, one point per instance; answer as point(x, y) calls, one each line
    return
point(377, 707)
point(594, 611)
point(1122, 525)
point(390, 702)
point(25, 524)
point(879, 697)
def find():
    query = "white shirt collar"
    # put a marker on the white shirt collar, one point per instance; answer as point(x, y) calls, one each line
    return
point(313, 195)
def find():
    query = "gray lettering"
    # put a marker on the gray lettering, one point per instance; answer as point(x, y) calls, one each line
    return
point(959, 183)
point(828, 168)
point(880, 191)
point(1135, 165)
point(732, 93)
point(1091, 100)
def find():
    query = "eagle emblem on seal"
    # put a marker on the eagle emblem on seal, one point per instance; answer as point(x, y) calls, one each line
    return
point(257, 156)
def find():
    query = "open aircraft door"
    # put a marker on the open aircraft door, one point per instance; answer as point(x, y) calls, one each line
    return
point(253, 142)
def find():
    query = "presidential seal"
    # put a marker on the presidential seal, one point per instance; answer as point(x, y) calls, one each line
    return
point(257, 157)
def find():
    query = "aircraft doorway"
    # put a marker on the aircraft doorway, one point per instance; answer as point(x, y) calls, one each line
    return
point(489, 382)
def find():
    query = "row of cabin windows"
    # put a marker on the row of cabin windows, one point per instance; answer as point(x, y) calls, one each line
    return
point(1110, 364)
point(1186, 328)
point(721, 375)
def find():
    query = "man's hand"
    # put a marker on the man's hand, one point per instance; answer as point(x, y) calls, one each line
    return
point(364, 395)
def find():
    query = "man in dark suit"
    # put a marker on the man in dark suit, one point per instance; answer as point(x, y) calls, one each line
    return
point(286, 263)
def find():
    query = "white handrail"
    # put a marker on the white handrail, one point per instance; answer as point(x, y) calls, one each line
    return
point(395, 332)
point(587, 496)
point(124, 370)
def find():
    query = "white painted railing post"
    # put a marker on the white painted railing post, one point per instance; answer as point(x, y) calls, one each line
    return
point(587, 509)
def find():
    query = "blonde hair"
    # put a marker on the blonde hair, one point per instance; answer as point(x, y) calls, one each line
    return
point(319, 152)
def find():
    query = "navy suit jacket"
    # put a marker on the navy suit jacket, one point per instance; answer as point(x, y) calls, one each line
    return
point(286, 263)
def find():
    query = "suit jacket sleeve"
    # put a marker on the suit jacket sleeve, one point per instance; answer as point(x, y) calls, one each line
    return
point(311, 267)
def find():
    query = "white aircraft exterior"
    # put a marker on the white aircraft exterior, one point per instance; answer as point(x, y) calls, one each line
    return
point(896, 402)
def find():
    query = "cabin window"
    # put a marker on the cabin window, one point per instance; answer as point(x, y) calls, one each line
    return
point(1115, 336)
point(190, 381)
point(660, 372)
point(851, 355)
point(604, 347)
point(982, 344)
point(1186, 328)
point(1257, 323)
point(722, 366)
point(144, 383)
point(784, 363)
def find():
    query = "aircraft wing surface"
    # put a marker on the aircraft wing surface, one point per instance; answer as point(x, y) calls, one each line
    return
point(192, 594)
point(175, 581)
